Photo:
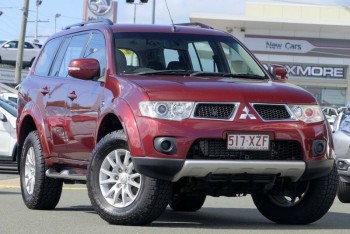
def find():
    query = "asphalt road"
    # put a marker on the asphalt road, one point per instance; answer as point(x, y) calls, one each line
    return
point(74, 214)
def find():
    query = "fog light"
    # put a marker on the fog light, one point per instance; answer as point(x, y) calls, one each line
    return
point(319, 147)
point(342, 166)
point(166, 145)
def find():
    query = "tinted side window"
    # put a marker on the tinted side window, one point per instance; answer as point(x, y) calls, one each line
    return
point(97, 50)
point(48, 54)
point(74, 50)
point(28, 45)
point(13, 44)
point(58, 61)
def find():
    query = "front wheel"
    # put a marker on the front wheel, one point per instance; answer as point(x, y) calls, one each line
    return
point(38, 191)
point(300, 202)
point(118, 193)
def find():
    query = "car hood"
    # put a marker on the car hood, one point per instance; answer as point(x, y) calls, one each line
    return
point(184, 88)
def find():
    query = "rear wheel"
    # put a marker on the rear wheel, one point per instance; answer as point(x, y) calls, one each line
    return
point(300, 202)
point(119, 194)
point(186, 202)
point(344, 192)
point(38, 191)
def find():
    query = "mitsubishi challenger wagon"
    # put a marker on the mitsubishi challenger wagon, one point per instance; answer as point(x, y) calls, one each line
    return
point(150, 116)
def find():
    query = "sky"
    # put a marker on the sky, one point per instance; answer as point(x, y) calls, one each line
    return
point(71, 12)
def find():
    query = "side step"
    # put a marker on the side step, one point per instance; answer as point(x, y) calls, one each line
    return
point(65, 174)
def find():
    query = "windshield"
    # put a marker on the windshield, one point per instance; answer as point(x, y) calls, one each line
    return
point(186, 54)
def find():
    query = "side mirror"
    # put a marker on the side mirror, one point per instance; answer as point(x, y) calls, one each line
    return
point(84, 69)
point(6, 46)
point(278, 72)
point(2, 117)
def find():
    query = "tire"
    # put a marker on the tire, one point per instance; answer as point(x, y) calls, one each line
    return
point(187, 203)
point(38, 191)
point(312, 200)
point(344, 192)
point(118, 193)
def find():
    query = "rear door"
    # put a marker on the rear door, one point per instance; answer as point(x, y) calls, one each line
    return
point(48, 93)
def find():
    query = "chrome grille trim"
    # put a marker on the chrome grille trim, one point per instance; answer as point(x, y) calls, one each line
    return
point(231, 117)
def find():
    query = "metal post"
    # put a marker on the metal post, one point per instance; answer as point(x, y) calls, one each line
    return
point(21, 42)
point(56, 16)
point(36, 23)
point(154, 12)
point(134, 13)
point(38, 3)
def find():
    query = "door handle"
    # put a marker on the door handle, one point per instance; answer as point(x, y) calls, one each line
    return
point(72, 95)
point(44, 90)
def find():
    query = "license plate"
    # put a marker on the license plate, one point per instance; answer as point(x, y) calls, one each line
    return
point(248, 141)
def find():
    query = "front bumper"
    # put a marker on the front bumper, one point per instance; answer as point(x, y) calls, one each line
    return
point(175, 169)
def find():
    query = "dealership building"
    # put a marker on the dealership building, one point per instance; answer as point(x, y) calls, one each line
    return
point(312, 42)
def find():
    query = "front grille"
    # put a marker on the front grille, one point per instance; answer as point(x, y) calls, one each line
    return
point(216, 149)
point(214, 110)
point(272, 112)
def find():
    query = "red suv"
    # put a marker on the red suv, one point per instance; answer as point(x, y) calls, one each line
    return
point(151, 116)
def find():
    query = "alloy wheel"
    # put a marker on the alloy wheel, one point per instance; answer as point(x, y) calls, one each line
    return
point(119, 182)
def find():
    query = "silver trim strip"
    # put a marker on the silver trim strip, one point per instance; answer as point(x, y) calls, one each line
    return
point(201, 168)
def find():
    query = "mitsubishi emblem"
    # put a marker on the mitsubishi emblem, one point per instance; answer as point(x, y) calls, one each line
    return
point(246, 114)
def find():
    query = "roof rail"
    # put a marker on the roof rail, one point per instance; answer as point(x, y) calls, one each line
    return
point(104, 21)
point(195, 24)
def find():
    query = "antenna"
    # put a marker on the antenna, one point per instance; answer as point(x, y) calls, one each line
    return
point(172, 22)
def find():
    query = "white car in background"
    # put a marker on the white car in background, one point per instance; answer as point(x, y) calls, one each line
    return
point(330, 113)
point(8, 53)
point(341, 139)
point(9, 96)
point(8, 137)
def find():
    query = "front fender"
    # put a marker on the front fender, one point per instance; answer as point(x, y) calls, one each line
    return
point(127, 118)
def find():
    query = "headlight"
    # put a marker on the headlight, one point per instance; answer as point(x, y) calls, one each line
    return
point(308, 113)
point(345, 124)
point(166, 110)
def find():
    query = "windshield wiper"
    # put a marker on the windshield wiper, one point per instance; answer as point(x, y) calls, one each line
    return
point(164, 72)
point(222, 74)
point(250, 76)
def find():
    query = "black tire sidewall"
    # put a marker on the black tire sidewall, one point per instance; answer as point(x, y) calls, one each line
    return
point(47, 191)
point(344, 192)
point(315, 203)
point(187, 203)
point(31, 200)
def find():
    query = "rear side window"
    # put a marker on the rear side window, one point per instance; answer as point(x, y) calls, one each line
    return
point(47, 56)
point(58, 61)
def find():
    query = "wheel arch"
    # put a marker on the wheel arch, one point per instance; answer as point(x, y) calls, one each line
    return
point(109, 123)
point(31, 120)
point(27, 125)
point(121, 117)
